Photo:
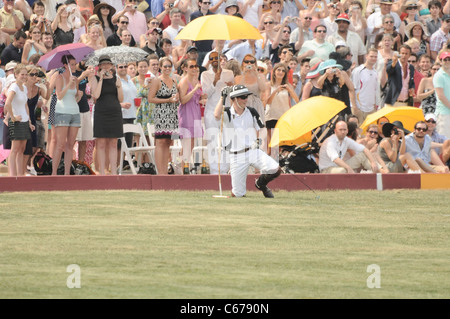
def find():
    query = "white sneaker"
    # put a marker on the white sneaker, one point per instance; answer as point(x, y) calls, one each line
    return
point(32, 171)
point(410, 171)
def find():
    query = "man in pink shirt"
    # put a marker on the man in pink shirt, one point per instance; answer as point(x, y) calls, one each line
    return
point(137, 21)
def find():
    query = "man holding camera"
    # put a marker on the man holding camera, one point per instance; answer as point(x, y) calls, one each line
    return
point(282, 39)
point(241, 125)
point(137, 21)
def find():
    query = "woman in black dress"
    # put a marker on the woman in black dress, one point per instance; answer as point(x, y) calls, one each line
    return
point(107, 91)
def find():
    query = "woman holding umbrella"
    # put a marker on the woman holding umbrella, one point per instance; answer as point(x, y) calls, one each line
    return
point(108, 127)
point(67, 114)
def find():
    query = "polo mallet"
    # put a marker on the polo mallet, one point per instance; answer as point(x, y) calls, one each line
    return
point(220, 154)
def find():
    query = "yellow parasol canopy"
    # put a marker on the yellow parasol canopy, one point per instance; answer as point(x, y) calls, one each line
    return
point(218, 27)
point(408, 115)
point(295, 125)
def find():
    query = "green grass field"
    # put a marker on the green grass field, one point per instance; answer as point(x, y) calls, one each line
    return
point(156, 244)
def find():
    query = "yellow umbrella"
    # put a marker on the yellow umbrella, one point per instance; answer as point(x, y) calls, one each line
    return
point(218, 27)
point(408, 115)
point(295, 125)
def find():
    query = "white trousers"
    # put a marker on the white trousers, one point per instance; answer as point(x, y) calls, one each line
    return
point(240, 163)
point(212, 135)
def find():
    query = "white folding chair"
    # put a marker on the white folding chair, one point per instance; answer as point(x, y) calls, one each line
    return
point(198, 151)
point(139, 150)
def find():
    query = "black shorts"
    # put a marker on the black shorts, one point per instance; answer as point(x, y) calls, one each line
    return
point(271, 124)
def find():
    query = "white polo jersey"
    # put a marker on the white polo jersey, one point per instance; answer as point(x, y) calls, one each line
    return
point(240, 131)
point(366, 83)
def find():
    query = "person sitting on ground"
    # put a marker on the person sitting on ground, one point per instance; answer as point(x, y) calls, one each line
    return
point(335, 147)
point(418, 144)
point(393, 151)
point(439, 142)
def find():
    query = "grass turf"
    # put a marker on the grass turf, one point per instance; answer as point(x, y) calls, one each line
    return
point(135, 244)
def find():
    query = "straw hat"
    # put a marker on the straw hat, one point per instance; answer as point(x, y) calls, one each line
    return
point(410, 26)
point(410, 3)
point(97, 8)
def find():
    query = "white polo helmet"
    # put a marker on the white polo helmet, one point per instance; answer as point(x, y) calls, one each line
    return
point(239, 90)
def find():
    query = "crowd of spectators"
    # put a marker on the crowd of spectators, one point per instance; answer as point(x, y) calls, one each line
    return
point(368, 54)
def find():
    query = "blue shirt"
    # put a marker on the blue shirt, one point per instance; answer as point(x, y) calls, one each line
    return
point(442, 80)
point(413, 148)
point(157, 7)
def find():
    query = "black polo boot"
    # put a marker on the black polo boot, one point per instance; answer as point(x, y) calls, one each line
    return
point(263, 180)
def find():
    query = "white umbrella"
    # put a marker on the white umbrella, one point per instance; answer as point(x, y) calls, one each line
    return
point(118, 55)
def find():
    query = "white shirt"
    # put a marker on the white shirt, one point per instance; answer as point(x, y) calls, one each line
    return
point(366, 84)
point(238, 52)
point(251, 14)
point(214, 91)
point(332, 149)
point(353, 41)
point(240, 132)
point(129, 93)
point(19, 102)
point(172, 33)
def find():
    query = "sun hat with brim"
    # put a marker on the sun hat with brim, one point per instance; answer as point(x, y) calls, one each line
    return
point(231, 3)
point(411, 25)
point(387, 128)
point(314, 71)
point(331, 63)
point(239, 90)
point(104, 59)
point(399, 125)
point(10, 65)
point(97, 8)
point(410, 3)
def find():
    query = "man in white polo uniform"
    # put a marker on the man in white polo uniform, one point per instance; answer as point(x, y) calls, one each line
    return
point(240, 126)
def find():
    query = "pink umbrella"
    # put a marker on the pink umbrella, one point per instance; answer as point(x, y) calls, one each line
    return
point(52, 60)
